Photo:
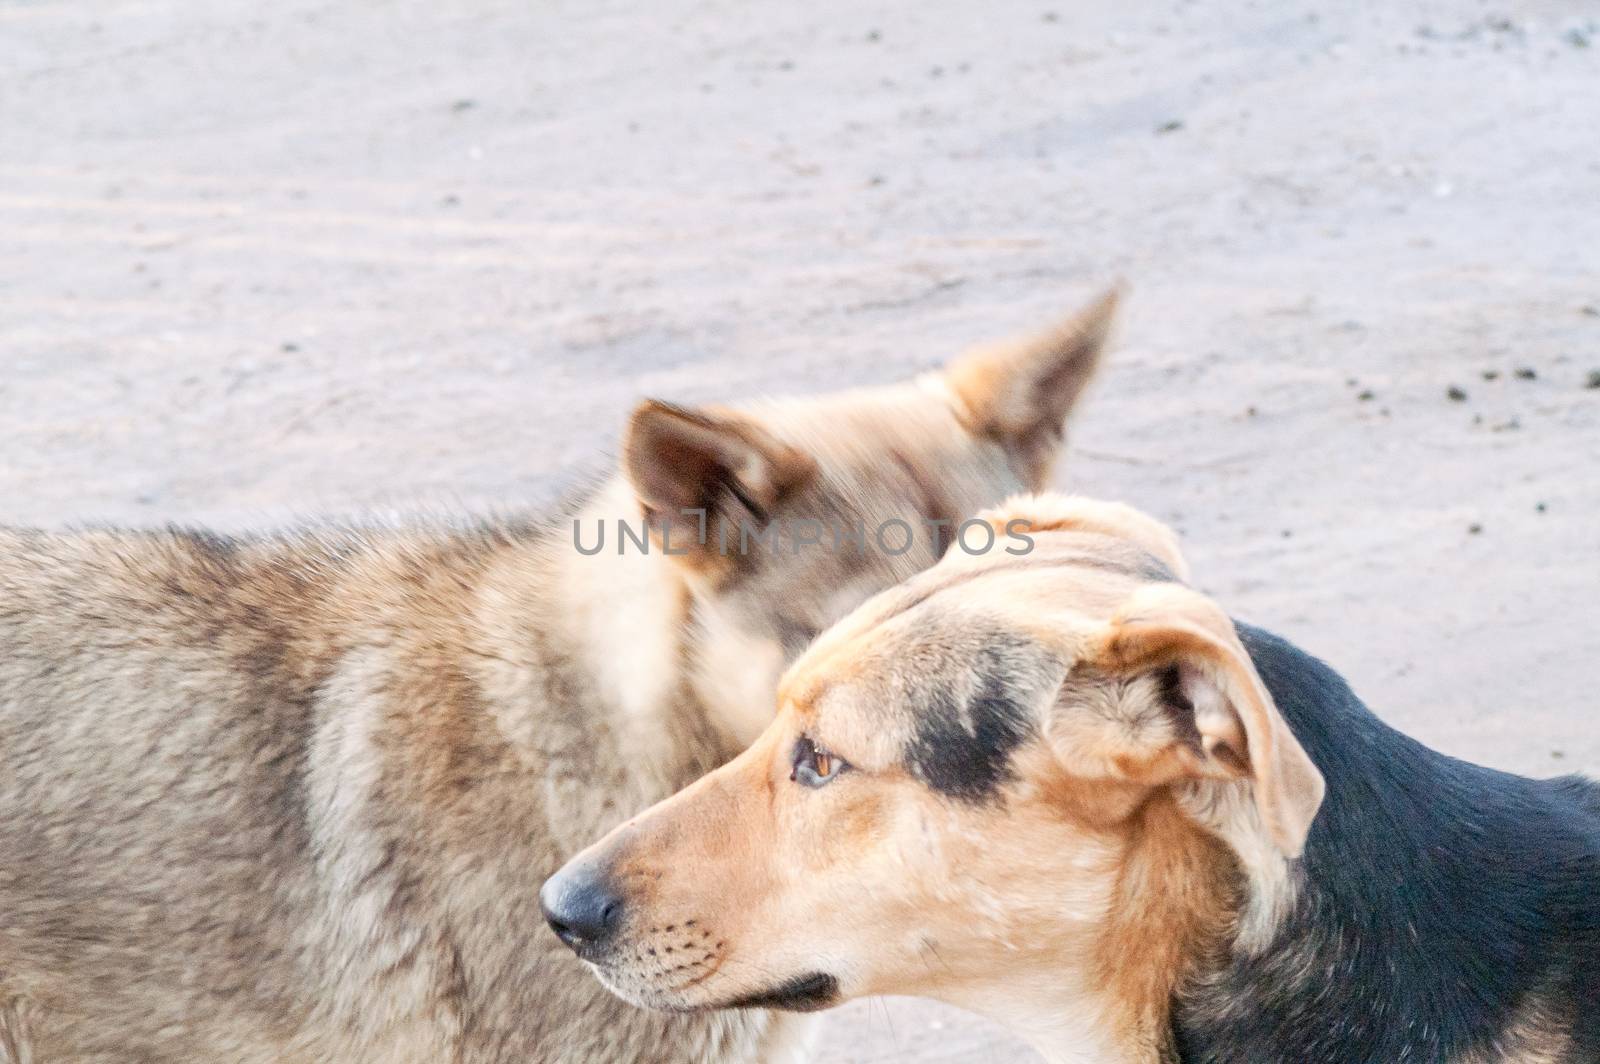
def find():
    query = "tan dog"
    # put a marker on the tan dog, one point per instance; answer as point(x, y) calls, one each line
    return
point(291, 799)
point(1060, 789)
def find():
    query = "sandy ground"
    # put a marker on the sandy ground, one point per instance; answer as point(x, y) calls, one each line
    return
point(259, 261)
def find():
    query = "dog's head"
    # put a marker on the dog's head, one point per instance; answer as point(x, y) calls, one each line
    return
point(782, 516)
point(1011, 774)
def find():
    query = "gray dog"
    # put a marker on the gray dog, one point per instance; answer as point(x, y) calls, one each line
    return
point(283, 799)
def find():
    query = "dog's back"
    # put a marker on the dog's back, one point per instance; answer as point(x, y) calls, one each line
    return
point(1582, 792)
point(253, 808)
point(1460, 897)
point(126, 766)
point(157, 718)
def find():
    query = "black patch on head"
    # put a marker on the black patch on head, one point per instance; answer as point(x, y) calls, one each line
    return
point(962, 748)
point(803, 993)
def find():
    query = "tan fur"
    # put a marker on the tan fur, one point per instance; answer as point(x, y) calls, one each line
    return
point(1534, 1047)
point(1119, 521)
point(1167, 624)
point(1019, 392)
point(1173, 905)
point(290, 799)
point(1109, 852)
point(1535, 1035)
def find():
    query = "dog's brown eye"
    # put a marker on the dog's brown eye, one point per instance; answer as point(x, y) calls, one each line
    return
point(815, 766)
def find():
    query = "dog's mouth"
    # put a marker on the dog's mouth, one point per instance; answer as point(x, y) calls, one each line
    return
point(653, 978)
point(811, 992)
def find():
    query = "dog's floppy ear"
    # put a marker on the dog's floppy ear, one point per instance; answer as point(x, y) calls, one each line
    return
point(1021, 392)
point(695, 470)
point(1236, 727)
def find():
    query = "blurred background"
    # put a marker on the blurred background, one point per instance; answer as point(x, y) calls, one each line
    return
point(262, 262)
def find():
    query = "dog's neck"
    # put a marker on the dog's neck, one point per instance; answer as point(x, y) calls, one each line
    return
point(1065, 1027)
point(626, 609)
point(1096, 982)
point(1061, 1027)
point(1177, 898)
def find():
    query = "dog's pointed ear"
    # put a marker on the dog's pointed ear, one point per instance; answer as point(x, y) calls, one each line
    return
point(1021, 392)
point(695, 471)
point(1219, 703)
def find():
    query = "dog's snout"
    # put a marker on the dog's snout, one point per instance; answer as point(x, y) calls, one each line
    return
point(582, 907)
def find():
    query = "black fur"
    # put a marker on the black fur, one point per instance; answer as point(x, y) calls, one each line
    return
point(962, 749)
point(803, 993)
point(1440, 902)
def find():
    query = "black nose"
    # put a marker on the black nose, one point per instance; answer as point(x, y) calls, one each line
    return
point(582, 908)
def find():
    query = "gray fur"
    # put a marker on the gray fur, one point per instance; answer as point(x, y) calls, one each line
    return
point(292, 799)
